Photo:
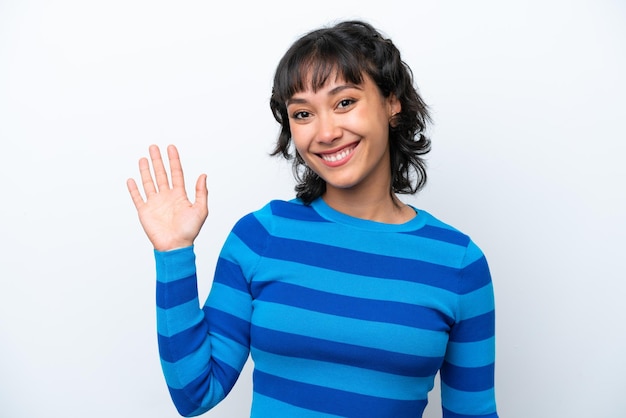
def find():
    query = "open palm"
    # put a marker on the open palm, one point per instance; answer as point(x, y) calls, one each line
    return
point(167, 216)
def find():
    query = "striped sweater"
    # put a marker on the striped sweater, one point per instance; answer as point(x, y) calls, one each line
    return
point(343, 317)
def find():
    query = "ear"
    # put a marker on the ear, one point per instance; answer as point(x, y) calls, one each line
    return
point(393, 108)
point(394, 105)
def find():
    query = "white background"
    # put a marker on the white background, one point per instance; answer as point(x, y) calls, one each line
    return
point(528, 100)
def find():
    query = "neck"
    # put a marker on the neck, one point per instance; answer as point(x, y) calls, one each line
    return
point(383, 207)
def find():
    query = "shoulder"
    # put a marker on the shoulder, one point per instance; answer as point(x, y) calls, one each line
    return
point(284, 209)
point(435, 228)
point(464, 255)
point(278, 212)
point(439, 230)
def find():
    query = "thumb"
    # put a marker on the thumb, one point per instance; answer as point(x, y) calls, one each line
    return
point(202, 192)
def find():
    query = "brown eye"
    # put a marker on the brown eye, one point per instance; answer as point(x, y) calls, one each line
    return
point(345, 103)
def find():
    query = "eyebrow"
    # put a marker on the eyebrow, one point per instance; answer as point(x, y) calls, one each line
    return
point(338, 89)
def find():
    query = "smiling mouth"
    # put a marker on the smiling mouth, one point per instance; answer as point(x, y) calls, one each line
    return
point(338, 156)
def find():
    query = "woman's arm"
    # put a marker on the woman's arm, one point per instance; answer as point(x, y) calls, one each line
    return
point(202, 350)
point(467, 374)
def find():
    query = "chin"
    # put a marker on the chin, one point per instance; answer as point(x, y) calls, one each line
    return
point(342, 185)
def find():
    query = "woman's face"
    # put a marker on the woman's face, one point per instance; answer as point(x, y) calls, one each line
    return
point(341, 132)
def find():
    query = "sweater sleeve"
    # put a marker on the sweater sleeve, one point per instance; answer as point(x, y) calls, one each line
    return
point(467, 373)
point(202, 350)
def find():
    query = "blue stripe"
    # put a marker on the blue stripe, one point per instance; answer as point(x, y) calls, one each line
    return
point(468, 379)
point(474, 329)
point(295, 211)
point(341, 377)
point(352, 307)
point(252, 233)
point(228, 325)
point(230, 274)
point(472, 354)
point(357, 286)
point(385, 336)
point(475, 276)
point(230, 300)
point(171, 294)
point(190, 310)
point(193, 365)
point(203, 362)
point(450, 236)
point(183, 405)
point(473, 404)
point(286, 344)
point(333, 401)
point(222, 374)
point(180, 345)
point(205, 391)
point(239, 253)
point(389, 243)
point(359, 263)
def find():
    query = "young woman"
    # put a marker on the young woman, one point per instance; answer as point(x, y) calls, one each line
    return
point(348, 300)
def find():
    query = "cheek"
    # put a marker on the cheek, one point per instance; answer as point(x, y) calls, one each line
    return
point(366, 121)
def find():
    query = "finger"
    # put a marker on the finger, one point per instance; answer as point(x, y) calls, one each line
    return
point(202, 192)
point(146, 177)
point(176, 168)
point(134, 193)
point(160, 174)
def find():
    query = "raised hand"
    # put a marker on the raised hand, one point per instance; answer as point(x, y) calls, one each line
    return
point(167, 216)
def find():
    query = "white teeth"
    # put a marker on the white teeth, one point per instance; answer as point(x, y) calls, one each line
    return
point(338, 156)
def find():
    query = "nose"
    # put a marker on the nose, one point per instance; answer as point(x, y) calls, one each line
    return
point(328, 128)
